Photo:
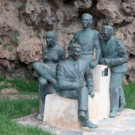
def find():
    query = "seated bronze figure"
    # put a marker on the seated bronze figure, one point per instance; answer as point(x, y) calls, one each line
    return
point(74, 80)
point(51, 55)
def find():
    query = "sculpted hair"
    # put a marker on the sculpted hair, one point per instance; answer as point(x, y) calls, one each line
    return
point(73, 46)
point(89, 16)
point(51, 34)
point(109, 28)
point(86, 14)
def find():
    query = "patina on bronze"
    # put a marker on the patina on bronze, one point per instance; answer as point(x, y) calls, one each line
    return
point(51, 55)
point(70, 80)
point(88, 39)
point(114, 55)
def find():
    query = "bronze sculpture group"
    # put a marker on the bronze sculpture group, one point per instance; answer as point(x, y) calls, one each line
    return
point(71, 77)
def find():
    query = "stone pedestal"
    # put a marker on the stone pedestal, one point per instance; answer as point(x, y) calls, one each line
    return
point(63, 112)
point(99, 106)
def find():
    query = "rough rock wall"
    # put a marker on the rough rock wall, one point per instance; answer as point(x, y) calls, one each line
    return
point(23, 24)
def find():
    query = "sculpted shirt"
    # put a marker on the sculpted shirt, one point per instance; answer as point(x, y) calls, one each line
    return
point(88, 40)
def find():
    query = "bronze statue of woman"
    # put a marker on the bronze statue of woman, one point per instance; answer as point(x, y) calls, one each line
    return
point(51, 55)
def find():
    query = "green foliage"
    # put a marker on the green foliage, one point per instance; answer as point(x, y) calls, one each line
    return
point(130, 95)
point(18, 108)
point(15, 108)
point(5, 46)
point(2, 79)
point(5, 85)
point(0, 43)
point(10, 109)
point(36, 34)
point(24, 86)
point(22, 7)
point(10, 49)
point(8, 127)
point(15, 37)
point(16, 59)
point(13, 128)
point(21, 85)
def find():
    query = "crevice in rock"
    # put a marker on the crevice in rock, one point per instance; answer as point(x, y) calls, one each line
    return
point(82, 12)
point(17, 69)
point(68, 1)
point(94, 3)
point(131, 56)
point(22, 71)
point(122, 24)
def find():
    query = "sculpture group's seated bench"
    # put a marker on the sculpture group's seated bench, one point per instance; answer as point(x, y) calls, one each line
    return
point(63, 112)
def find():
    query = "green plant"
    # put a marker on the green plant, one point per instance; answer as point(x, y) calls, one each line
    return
point(10, 109)
point(21, 85)
point(36, 34)
point(16, 59)
point(4, 86)
point(22, 7)
point(129, 91)
point(18, 107)
point(5, 46)
point(15, 108)
point(15, 37)
point(4, 83)
point(2, 79)
point(9, 127)
point(10, 49)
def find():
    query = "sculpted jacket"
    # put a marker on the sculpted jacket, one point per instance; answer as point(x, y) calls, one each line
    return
point(72, 72)
point(116, 54)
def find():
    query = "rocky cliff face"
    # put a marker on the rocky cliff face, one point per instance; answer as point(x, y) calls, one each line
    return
point(23, 25)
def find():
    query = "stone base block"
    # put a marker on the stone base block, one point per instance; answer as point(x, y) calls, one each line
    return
point(99, 106)
point(63, 112)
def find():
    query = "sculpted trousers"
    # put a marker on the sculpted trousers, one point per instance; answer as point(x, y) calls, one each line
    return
point(81, 95)
point(47, 74)
point(45, 70)
point(45, 88)
point(116, 90)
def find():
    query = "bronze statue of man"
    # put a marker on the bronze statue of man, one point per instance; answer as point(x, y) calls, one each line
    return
point(70, 80)
point(51, 55)
point(88, 39)
point(114, 55)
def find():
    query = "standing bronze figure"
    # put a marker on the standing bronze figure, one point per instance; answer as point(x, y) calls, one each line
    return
point(88, 39)
point(114, 55)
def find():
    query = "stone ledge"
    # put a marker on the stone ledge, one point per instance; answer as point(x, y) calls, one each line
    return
point(108, 126)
